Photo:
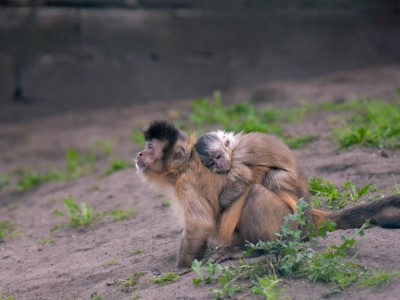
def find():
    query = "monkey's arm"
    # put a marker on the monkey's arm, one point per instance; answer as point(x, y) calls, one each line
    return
point(238, 178)
point(199, 225)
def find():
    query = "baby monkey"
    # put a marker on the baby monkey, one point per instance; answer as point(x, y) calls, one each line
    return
point(252, 157)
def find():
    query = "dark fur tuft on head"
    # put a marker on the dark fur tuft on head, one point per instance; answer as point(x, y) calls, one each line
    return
point(162, 131)
point(203, 147)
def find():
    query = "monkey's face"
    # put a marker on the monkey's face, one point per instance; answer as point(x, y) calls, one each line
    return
point(157, 158)
point(213, 153)
point(150, 158)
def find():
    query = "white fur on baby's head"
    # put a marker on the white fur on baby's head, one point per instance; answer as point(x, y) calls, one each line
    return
point(228, 138)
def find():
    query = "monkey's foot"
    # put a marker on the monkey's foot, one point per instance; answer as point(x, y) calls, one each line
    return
point(226, 253)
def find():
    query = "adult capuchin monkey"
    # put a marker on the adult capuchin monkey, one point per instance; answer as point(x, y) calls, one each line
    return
point(170, 159)
point(238, 155)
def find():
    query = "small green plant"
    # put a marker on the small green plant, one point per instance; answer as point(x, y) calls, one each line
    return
point(105, 146)
point(46, 241)
point(5, 229)
point(288, 255)
point(112, 262)
point(131, 282)
point(325, 189)
point(377, 278)
point(247, 118)
point(137, 137)
point(375, 125)
point(166, 203)
point(29, 179)
point(83, 216)
point(136, 251)
point(396, 188)
point(4, 181)
point(117, 165)
point(119, 214)
point(332, 266)
point(9, 297)
point(95, 296)
point(299, 141)
point(79, 164)
point(268, 286)
point(79, 216)
point(167, 278)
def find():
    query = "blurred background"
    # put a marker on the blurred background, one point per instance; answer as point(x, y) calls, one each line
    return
point(76, 55)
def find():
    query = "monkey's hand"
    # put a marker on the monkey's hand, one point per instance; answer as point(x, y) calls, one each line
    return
point(226, 253)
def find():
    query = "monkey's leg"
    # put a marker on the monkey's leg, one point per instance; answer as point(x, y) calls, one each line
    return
point(262, 215)
point(193, 246)
point(199, 219)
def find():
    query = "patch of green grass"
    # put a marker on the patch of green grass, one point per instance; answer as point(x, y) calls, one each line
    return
point(299, 141)
point(112, 261)
point(4, 181)
point(117, 165)
point(377, 278)
point(167, 278)
point(268, 287)
point(45, 241)
point(9, 297)
point(326, 190)
point(166, 203)
point(5, 229)
point(247, 118)
point(396, 189)
point(103, 146)
point(29, 179)
point(95, 296)
point(79, 215)
point(137, 137)
point(131, 282)
point(83, 216)
point(119, 214)
point(288, 255)
point(79, 164)
point(376, 124)
point(136, 251)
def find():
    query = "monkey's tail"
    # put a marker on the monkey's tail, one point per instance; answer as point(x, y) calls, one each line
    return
point(384, 213)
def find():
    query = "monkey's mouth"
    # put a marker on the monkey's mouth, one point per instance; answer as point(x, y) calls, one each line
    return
point(139, 165)
point(223, 168)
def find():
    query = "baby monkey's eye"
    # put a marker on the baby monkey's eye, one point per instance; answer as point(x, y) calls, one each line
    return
point(218, 155)
point(227, 143)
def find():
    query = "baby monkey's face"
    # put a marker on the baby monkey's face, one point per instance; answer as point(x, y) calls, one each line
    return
point(215, 151)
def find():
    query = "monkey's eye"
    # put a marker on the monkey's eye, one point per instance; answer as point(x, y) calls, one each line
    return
point(149, 146)
point(227, 143)
point(218, 155)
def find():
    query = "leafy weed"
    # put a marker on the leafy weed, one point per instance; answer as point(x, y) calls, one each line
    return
point(325, 189)
point(5, 229)
point(131, 282)
point(288, 255)
point(377, 278)
point(374, 125)
point(167, 278)
point(112, 262)
point(79, 215)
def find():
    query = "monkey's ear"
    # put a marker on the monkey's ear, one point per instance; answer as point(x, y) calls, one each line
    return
point(179, 153)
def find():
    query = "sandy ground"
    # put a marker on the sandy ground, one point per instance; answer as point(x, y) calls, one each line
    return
point(77, 263)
